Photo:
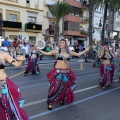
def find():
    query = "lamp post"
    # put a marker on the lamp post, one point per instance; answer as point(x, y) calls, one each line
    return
point(100, 26)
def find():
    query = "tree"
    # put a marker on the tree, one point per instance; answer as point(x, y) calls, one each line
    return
point(58, 11)
point(90, 7)
point(111, 5)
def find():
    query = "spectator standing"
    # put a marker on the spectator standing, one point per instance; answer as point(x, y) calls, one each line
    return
point(6, 43)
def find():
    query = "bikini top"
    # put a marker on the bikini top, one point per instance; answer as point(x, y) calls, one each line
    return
point(61, 57)
point(107, 56)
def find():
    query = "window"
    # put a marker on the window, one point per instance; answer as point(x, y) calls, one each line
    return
point(71, 26)
point(13, 36)
point(27, 3)
point(36, 3)
point(12, 17)
point(51, 25)
point(32, 19)
point(75, 11)
point(32, 39)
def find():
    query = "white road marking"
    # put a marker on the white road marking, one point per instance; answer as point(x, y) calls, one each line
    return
point(77, 91)
point(77, 102)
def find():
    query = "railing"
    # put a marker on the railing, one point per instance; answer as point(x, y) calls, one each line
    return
point(33, 26)
point(10, 24)
point(50, 32)
point(83, 32)
point(85, 18)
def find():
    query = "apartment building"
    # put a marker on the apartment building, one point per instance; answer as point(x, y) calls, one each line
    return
point(112, 25)
point(22, 18)
point(48, 21)
point(75, 24)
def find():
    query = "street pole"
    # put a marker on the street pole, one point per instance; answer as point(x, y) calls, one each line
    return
point(109, 22)
point(1, 24)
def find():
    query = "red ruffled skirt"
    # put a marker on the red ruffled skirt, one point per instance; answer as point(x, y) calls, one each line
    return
point(62, 84)
point(11, 102)
point(107, 74)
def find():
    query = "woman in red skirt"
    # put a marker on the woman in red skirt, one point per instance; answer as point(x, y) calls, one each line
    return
point(11, 100)
point(106, 68)
point(61, 78)
point(32, 63)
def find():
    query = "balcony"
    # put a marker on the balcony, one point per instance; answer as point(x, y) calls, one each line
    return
point(73, 33)
point(49, 32)
point(74, 3)
point(32, 27)
point(49, 15)
point(8, 25)
point(72, 18)
point(83, 32)
point(84, 19)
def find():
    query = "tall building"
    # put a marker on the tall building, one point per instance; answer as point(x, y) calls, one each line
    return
point(75, 24)
point(112, 27)
point(48, 21)
point(22, 18)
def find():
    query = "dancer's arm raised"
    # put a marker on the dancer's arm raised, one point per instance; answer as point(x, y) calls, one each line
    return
point(80, 53)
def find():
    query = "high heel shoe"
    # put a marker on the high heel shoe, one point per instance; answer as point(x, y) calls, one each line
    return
point(49, 107)
point(62, 102)
point(104, 87)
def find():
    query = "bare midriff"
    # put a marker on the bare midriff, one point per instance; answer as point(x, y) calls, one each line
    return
point(106, 62)
point(62, 64)
point(2, 74)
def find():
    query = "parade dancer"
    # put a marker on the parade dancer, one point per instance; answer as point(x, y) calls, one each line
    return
point(106, 68)
point(32, 63)
point(61, 78)
point(11, 101)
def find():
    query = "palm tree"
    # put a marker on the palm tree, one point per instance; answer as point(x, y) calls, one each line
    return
point(90, 7)
point(58, 11)
point(111, 5)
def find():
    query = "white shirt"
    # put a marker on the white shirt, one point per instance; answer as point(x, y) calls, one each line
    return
point(26, 49)
point(71, 48)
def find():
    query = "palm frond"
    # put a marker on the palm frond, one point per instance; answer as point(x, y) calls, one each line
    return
point(59, 10)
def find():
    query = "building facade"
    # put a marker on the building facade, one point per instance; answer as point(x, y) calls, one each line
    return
point(22, 19)
point(112, 27)
point(75, 24)
point(48, 21)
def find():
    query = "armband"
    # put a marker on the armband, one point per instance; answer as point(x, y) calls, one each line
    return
point(12, 61)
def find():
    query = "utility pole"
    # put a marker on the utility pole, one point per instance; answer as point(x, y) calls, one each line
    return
point(1, 24)
point(109, 22)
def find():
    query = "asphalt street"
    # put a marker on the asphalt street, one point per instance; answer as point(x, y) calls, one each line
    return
point(91, 102)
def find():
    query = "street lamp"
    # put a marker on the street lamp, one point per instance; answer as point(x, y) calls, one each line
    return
point(100, 26)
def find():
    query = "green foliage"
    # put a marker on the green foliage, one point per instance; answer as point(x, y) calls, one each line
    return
point(115, 4)
point(59, 10)
point(83, 32)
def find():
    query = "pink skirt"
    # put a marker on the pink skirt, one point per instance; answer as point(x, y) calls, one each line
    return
point(107, 74)
point(32, 66)
point(11, 102)
point(62, 84)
